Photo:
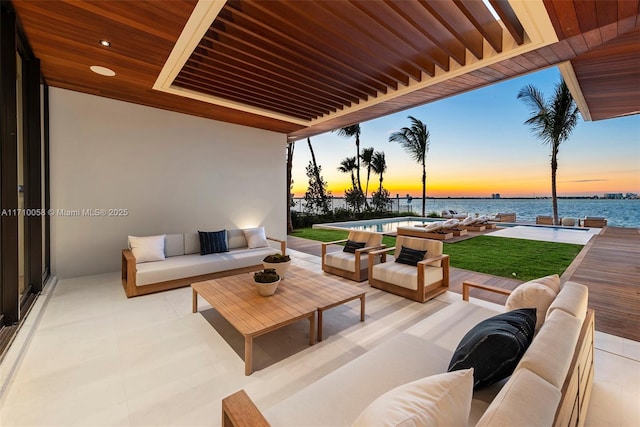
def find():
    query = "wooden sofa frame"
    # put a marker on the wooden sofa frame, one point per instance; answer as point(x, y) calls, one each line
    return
point(360, 275)
point(576, 390)
point(423, 293)
point(238, 410)
point(133, 290)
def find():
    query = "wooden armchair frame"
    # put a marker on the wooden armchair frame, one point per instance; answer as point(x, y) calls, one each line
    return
point(360, 274)
point(424, 292)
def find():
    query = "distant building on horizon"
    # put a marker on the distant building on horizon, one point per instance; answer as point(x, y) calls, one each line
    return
point(495, 195)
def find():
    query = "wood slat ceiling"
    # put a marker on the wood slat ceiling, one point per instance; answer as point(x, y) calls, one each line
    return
point(305, 67)
point(606, 38)
point(309, 59)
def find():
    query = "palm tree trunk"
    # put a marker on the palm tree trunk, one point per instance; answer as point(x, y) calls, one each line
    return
point(290, 147)
point(366, 191)
point(554, 168)
point(424, 187)
point(358, 160)
point(316, 172)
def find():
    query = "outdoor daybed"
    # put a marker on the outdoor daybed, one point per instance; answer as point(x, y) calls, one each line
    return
point(399, 380)
point(176, 260)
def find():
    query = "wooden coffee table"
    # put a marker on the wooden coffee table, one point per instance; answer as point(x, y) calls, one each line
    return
point(298, 297)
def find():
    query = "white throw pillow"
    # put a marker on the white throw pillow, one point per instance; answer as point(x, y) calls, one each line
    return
point(145, 249)
point(532, 295)
point(256, 237)
point(439, 400)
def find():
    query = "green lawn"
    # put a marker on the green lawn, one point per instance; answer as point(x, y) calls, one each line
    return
point(499, 256)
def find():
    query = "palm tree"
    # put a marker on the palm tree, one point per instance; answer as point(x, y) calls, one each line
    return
point(366, 157)
point(379, 165)
point(350, 132)
point(348, 165)
point(415, 141)
point(552, 121)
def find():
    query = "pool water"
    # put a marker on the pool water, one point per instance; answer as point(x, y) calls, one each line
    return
point(388, 225)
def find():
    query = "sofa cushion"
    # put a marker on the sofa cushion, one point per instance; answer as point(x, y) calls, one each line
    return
point(191, 243)
point(174, 245)
point(494, 346)
point(410, 256)
point(551, 351)
point(148, 248)
point(256, 237)
point(404, 275)
point(572, 299)
point(346, 261)
point(525, 400)
point(236, 239)
point(213, 242)
point(195, 265)
point(372, 239)
point(552, 282)
point(531, 295)
point(351, 246)
point(443, 399)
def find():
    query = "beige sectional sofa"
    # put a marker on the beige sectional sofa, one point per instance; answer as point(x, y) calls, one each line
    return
point(550, 386)
point(184, 265)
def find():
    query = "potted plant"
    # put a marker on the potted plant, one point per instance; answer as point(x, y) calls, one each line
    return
point(267, 281)
point(278, 262)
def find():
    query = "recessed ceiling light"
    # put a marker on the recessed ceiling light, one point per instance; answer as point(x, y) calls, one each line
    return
point(103, 71)
point(105, 43)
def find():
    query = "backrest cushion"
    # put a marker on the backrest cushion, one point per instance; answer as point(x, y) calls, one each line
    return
point(525, 400)
point(433, 247)
point(213, 242)
point(531, 295)
point(191, 243)
point(148, 248)
point(550, 354)
point(256, 237)
point(552, 282)
point(572, 299)
point(372, 239)
point(494, 346)
point(236, 239)
point(174, 245)
point(438, 400)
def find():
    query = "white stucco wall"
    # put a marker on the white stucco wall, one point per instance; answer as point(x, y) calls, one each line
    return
point(172, 172)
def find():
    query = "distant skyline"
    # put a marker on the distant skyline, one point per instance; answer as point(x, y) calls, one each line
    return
point(480, 146)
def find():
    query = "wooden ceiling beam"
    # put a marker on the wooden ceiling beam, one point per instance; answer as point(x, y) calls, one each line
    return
point(457, 24)
point(345, 41)
point(241, 98)
point(229, 65)
point(251, 97)
point(260, 88)
point(434, 40)
point(277, 71)
point(282, 53)
point(509, 19)
point(350, 75)
point(483, 20)
point(368, 36)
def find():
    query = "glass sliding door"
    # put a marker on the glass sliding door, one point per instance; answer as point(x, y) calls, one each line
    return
point(24, 230)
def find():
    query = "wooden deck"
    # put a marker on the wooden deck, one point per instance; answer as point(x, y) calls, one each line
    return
point(610, 266)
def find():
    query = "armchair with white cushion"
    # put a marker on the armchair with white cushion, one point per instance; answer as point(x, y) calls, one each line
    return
point(420, 273)
point(352, 262)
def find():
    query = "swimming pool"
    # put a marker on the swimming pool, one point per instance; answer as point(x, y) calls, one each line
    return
point(549, 233)
point(387, 225)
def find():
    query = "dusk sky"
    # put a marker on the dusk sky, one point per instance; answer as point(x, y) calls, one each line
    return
point(480, 145)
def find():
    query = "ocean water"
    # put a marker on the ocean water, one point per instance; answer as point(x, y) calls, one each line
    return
point(619, 212)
